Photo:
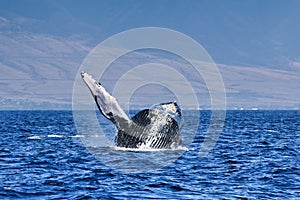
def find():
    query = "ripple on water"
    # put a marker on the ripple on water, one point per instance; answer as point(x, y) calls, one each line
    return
point(256, 157)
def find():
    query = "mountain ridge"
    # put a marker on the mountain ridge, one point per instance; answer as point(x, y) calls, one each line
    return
point(40, 53)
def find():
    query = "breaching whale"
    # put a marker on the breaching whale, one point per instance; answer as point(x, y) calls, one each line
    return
point(157, 127)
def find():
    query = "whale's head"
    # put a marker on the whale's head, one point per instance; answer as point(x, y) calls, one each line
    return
point(172, 109)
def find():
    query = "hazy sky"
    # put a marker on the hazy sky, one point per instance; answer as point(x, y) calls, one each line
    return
point(234, 32)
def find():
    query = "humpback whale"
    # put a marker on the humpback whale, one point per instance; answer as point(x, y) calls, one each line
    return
point(157, 127)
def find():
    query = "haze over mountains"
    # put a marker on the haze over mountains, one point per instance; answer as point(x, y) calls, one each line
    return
point(255, 44)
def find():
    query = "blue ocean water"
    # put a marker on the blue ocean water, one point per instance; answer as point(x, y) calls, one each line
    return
point(256, 157)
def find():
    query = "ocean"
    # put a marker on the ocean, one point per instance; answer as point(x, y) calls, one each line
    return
point(257, 156)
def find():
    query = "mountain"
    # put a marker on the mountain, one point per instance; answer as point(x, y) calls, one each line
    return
point(255, 44)
point(36, 67)
point(235, 33)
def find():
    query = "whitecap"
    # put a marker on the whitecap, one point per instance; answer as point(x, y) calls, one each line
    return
point(272, 131)
point(35, 137)
point(55, 136)
point(77, 136)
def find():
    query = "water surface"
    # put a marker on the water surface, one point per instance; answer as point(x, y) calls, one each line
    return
point(257, 156)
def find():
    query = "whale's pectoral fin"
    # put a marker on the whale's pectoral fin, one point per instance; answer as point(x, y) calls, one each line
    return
point(110, 108)
point(106, 103)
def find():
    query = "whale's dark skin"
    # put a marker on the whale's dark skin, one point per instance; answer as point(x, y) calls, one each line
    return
point(157, 127)
point(165, 134)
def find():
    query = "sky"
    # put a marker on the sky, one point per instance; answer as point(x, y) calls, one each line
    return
point(41, 39)
point(234, 32)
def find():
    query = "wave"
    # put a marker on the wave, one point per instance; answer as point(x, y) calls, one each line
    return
point(39, 137)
